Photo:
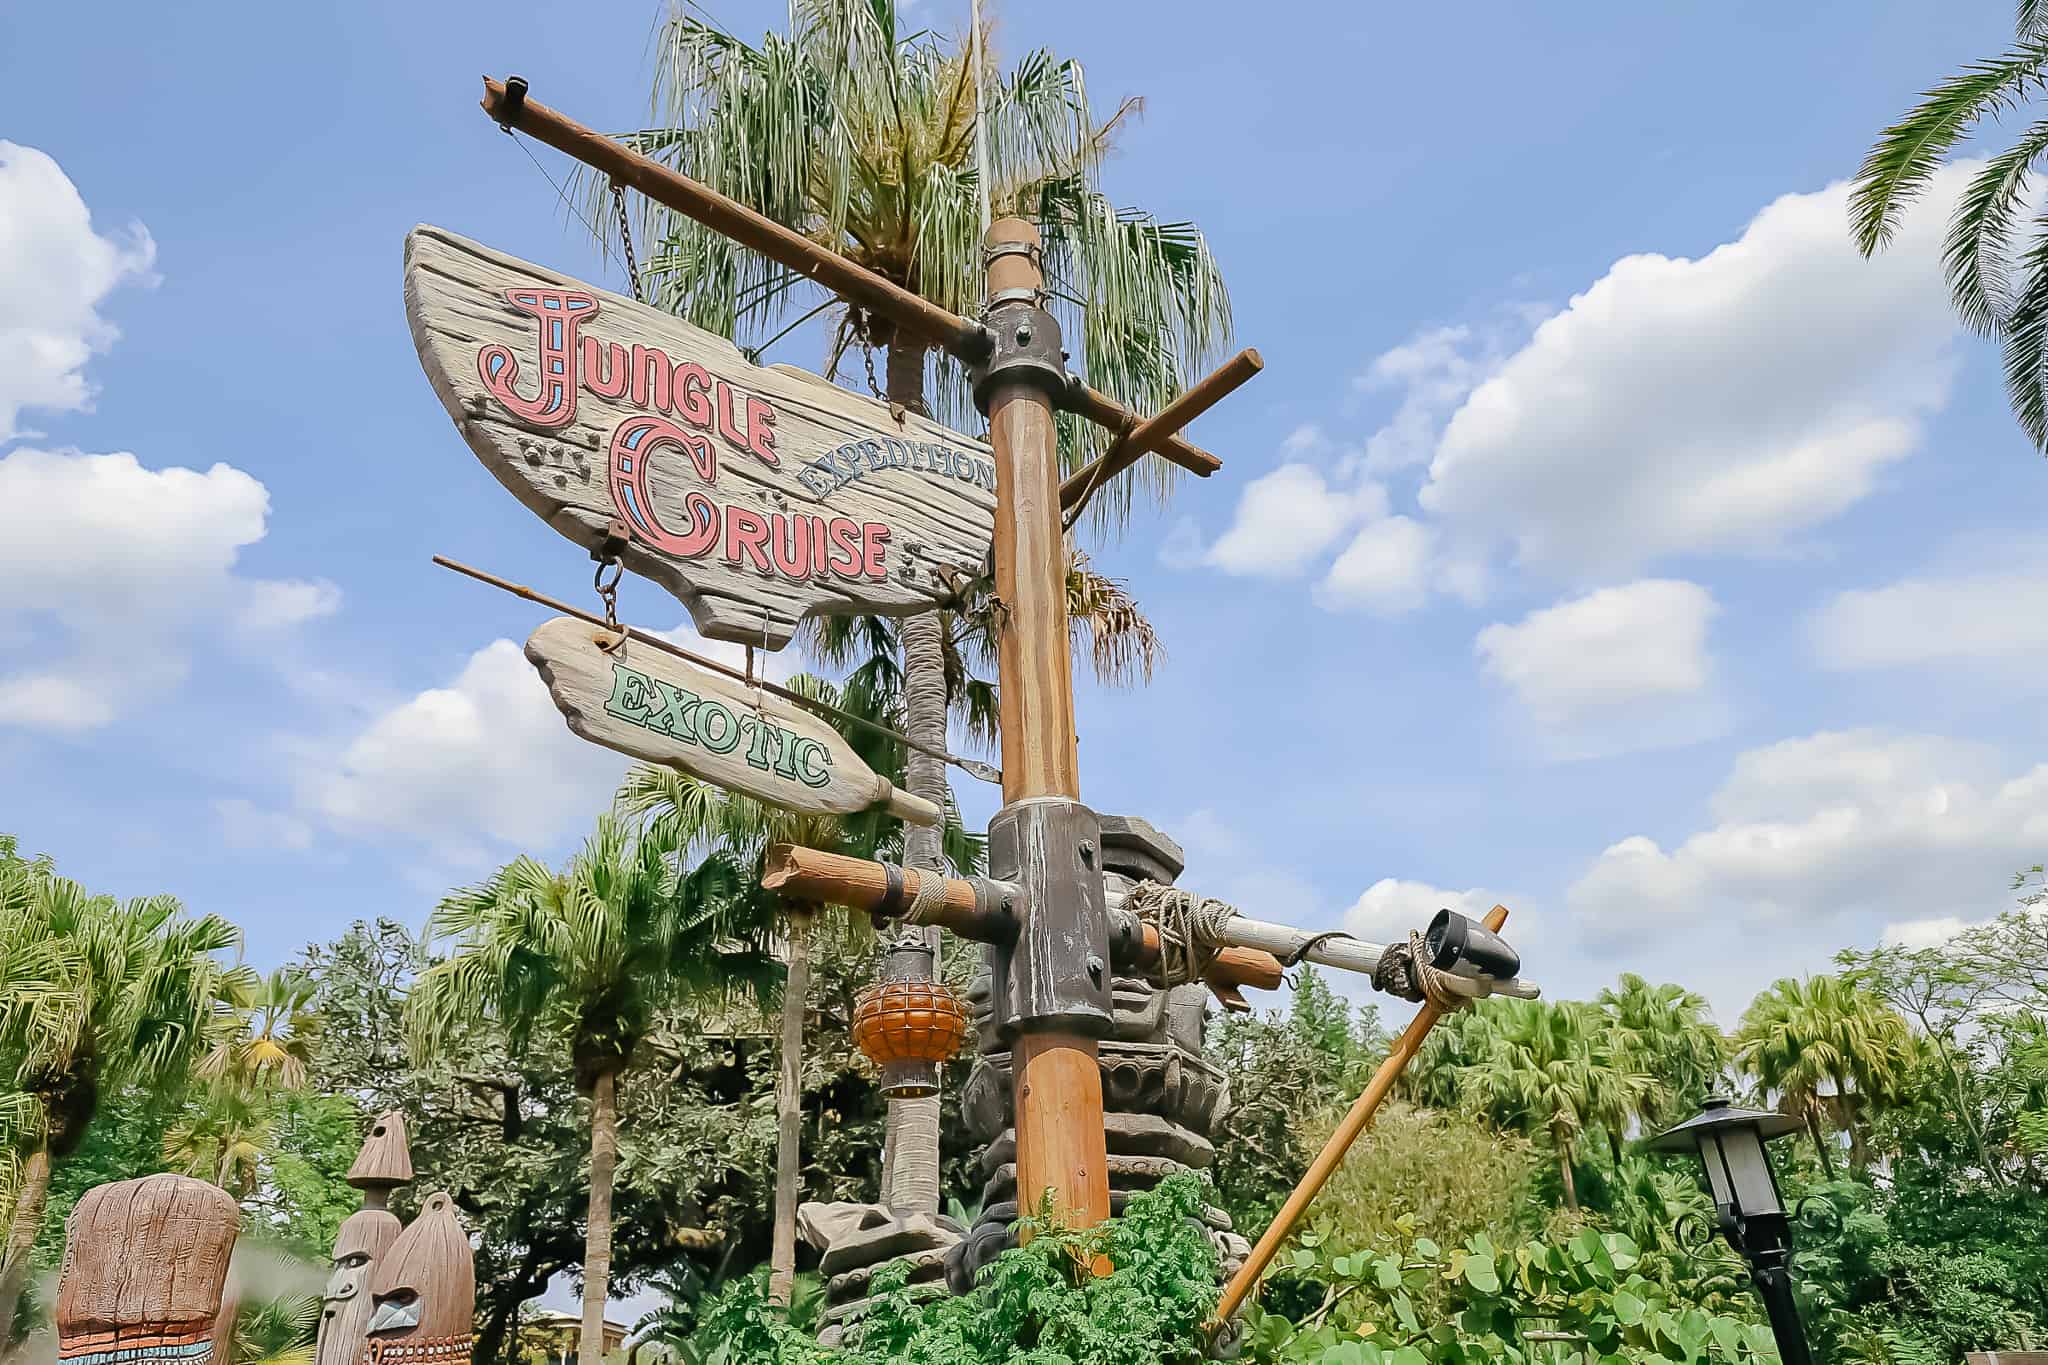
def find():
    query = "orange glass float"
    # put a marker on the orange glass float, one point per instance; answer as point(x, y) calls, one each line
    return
point(908, 1023)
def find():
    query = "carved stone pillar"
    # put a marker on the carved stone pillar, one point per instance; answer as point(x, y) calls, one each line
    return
point(1161, 1095)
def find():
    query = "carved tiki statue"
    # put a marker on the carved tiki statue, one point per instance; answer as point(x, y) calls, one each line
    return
point(384, 1163)
point(424, 1293)
point(145, 1262)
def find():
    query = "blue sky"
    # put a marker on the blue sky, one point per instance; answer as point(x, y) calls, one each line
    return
point(1602, 537)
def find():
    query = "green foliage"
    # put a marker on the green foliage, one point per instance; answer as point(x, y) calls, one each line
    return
point(1038, 1304)
point(1425, 1173)
point(1586, 1293)
point(1284, 1068)
point(1995, 254)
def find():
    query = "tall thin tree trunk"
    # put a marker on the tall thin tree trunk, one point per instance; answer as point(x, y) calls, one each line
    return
point(789, 1110)
point(911, 1160)
point(597, 1238)
point(1564, 1171)
point(1820, 1143)
point(21, 1235)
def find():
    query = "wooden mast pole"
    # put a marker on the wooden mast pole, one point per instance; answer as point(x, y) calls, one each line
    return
point(1061, 1143)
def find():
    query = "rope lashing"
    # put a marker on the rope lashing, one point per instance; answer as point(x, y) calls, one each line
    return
point(1404, 970)
point(1190, 928)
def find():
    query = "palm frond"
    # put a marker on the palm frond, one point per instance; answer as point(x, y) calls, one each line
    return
point(1899, 168)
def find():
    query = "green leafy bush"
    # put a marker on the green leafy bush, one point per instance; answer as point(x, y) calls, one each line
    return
point(1582, 1299)
point(1036, 1305)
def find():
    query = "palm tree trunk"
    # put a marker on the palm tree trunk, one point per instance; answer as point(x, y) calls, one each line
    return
point(911, 1156)
point(1820, 1143)
point(789, 1110)
point(21, 1234)
point(597, 1238)
point(1564, 1171)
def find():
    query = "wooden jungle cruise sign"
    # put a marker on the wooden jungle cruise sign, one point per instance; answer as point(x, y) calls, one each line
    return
point(653, 705)
point(756, 495)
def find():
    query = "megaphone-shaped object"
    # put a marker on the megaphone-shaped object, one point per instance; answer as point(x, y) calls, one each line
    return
point(1455, 943)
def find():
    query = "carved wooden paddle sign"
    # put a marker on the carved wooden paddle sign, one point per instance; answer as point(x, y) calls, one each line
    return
point(756, 495)
point(653, 705)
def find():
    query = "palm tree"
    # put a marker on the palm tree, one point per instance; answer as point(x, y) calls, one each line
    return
point(1996, 254)
point(595, 951)
point(703, 821)
point(94, 994)
point(1549, 1069)
point(863, 139)
point(260, 1046)
point(1826, 1048)
point(1664, 1033)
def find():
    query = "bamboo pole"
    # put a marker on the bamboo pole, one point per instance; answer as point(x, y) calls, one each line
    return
point(1332, 1156)
point(1352, 955)
point(964, 338)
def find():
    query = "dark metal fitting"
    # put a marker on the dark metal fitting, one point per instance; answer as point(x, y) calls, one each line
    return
point(909, 958)
point(513, 107)
point(1126, 939)
point(909, 1079)
point(1053, 976)
point(892, 903)
point(617, 535)
point(991, 252)
point(995, 908)
point(1027, 351)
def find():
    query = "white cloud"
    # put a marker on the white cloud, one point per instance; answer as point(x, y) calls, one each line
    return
point(1387, 568)
point(1925, 933)
point(1391, 907)
point(1882, 827)
point(248, 827)
point(1620, 668)
point(1979, 616)
point(1287, 518)
point(1434, 371)
point(121, 569)
point(485, 762)
point(55, 271)
point(1720, 403)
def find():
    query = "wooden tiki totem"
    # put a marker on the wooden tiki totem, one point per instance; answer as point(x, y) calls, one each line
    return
point(424, 1293)
point(384, 1163)
point(145, 1262)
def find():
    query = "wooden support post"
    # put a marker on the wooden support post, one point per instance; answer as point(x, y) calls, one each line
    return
point(1332, 1156)
point(1061, 1145)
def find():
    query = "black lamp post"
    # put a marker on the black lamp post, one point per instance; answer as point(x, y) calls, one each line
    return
point(1752, 1216)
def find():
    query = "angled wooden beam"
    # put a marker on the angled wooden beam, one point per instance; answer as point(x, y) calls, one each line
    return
point(1136, 443)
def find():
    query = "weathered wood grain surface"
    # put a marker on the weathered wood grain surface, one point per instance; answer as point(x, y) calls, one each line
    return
point(814, 464)
point(145, 1258)
point(653, 705)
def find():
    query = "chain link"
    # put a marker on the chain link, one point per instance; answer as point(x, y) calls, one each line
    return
point(608, 589)
point(867, 351)
point(626, 239)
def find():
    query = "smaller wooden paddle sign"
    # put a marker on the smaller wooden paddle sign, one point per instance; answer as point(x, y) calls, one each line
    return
point(653, 705)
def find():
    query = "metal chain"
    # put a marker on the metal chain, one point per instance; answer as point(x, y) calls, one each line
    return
point(608, 590)
point(867, 350)
point(626, 239)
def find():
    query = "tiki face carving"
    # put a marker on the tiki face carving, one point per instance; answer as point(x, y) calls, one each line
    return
point(145, 1262)
point(345, 1305)
point(423, 1293)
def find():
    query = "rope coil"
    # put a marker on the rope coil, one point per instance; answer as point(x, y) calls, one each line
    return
point(1190, 928)
point(1404, 970)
